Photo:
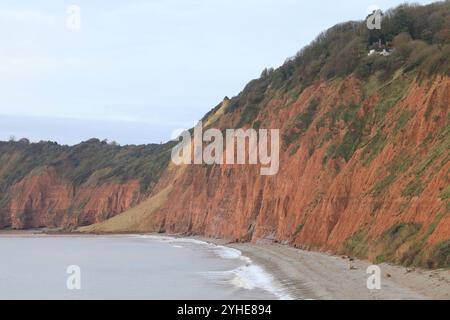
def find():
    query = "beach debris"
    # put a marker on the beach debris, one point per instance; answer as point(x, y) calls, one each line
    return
point(350, 264)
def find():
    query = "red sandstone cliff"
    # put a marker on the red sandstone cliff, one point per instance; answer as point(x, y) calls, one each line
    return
point(48, 185)
point(384, 202)
point(46, 200)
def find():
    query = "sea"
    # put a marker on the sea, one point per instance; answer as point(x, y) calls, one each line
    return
point(129, 267)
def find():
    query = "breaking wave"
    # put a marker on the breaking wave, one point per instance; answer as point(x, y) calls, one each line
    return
point(248, 276)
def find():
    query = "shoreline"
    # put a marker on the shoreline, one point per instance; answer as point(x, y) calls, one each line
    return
point(315, 275)
point(320, 276)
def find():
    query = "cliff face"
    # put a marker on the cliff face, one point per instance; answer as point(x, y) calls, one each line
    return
point(376, 192)
point(367, 175)
point(46, 200)
point(47, 185)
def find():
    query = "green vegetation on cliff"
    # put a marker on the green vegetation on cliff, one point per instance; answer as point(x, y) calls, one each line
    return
point(92, 162)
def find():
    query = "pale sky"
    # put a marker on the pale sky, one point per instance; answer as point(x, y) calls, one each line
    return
point(138, 70)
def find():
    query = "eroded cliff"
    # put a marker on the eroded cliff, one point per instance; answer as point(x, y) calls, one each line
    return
point(349, 184)
point(48, 185)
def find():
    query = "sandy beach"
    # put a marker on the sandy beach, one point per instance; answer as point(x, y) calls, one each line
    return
point(314, 275)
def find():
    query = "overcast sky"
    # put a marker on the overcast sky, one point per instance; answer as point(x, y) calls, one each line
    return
point(137, 70)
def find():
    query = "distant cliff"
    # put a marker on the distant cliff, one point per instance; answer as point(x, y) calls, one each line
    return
point(48, 185)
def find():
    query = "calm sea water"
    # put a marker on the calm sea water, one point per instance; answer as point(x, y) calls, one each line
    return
point(129, 267)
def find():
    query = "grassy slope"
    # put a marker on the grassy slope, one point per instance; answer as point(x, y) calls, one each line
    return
point(137, 219)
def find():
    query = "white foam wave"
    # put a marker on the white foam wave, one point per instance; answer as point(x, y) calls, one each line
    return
point(249, 276)
point(221, 251)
